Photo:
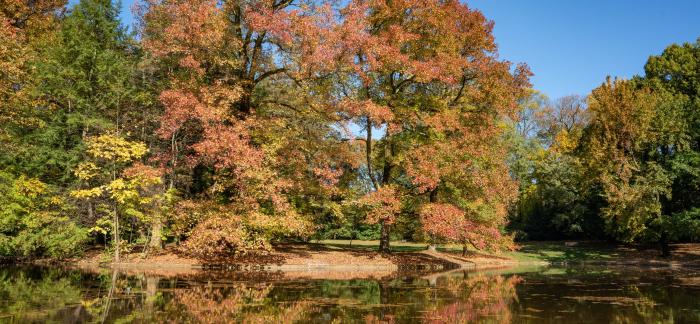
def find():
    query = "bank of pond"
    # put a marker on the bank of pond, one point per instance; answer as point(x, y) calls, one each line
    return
point(521, 294)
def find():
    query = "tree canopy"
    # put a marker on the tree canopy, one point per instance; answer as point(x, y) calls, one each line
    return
point(227, 126)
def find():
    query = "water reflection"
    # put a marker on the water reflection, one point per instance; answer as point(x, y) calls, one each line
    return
point(476, 297)
point(548, 294)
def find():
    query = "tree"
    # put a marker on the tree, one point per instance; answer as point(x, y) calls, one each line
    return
point(566, 117)
point(23, 27)
point(675, 72)
point(556, 200)
point(455, 225)
point(34, 220)
point(240, 127)
point(622, 139)
point(85, 86)
point(119, 193)
point(426, 74)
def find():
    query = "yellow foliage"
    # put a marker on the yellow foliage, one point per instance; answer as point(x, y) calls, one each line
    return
point(30, 187)
point(115, 148)
point(122, 191)
point(88, 193)
point(56, 200)
point(565, 142)
point(86, 170)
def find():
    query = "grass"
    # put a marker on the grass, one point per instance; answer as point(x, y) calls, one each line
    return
point(559, 252)
point(555, 252)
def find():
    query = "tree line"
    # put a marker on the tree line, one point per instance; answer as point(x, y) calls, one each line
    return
point(622, 164)
point(226, 126)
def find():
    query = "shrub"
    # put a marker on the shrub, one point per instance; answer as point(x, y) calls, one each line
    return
point(31, 221)
point(221, 236)
point(211, 229)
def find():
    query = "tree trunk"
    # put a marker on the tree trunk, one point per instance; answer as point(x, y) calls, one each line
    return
point(665, 248)
point(464, 250)
point(110, 295)
point(151, 291)
point(384, 301)
point(368, 153)
point(384, 239)
point(156, 233)
point(116, 234)
point(433, 199)
point(91, 215)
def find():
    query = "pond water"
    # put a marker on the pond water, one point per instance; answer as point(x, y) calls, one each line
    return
point(534, 295)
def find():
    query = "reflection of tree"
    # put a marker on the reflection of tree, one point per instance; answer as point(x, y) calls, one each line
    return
point(596, 294)
point(207, 304)
point(35, 299)
point(234, 302)
point(586, 295)
point(476, 297)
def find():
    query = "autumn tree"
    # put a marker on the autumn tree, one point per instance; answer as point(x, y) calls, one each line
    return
point(563, 120)
point(425, 74)
point(118, 186)
point(239, 120)
point(638, 139)
point(622, 139)
point(24, 26)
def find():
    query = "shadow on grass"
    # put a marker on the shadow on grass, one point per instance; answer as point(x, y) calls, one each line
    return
point(373, 247)
point(558, 252)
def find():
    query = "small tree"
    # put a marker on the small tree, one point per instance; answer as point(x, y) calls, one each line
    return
point(108, 181)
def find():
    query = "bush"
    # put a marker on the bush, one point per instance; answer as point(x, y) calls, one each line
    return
point(55, 237)
point(221, 236)
point(211, 229)
point(31, 224)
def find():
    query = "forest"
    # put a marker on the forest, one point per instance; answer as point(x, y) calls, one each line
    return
point(226, 127)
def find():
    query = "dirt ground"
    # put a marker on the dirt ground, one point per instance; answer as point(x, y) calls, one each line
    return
point(293, 256)
point(300, 258)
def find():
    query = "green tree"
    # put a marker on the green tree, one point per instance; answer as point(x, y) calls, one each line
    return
point(677, 72)
point(555, 201)
point(85, 86)
point(622, 147)
point(34, 222)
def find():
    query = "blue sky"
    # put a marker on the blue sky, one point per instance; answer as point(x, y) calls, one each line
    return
point(571, 46)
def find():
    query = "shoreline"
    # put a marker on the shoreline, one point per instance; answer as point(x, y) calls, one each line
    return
point(333, 257)
point(299, 259)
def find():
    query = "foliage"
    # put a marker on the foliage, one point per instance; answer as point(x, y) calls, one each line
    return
point(250, 122)
point(34, 220)
point(631, 158)
point(212, 230)
point(453, 224)
point(130, 194)
point(556, 198)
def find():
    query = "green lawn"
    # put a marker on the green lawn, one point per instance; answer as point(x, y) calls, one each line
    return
point(528, 252)
point(559, 252)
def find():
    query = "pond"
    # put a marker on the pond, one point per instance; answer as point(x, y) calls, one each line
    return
point(520, 295)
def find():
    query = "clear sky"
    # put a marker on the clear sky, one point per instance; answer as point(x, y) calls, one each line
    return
point(571, 46)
